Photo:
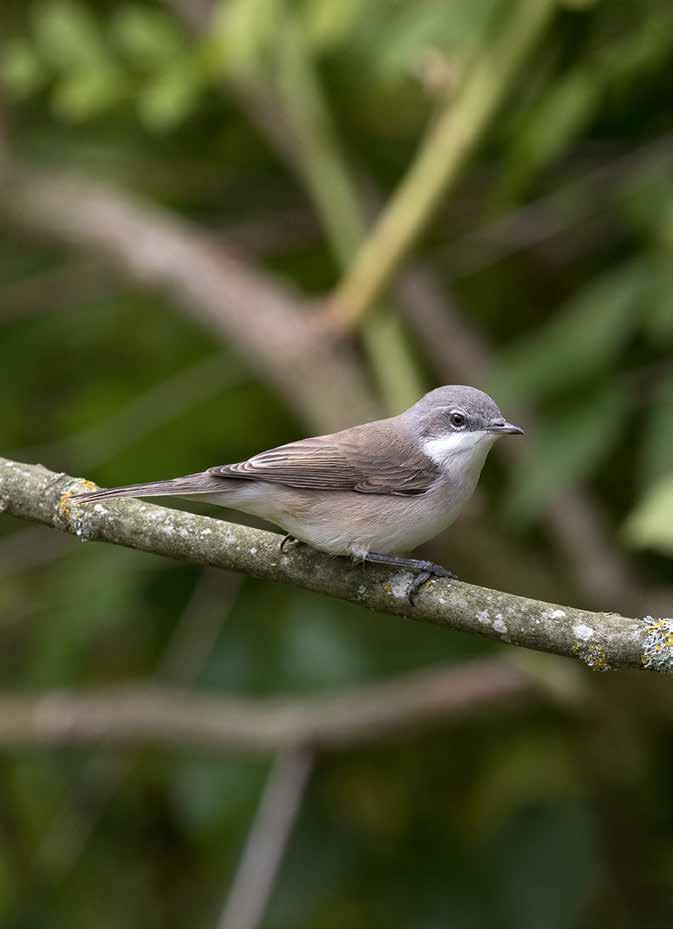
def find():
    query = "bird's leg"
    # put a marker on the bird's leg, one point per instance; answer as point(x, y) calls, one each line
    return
point(287, 538)
point(424, 570)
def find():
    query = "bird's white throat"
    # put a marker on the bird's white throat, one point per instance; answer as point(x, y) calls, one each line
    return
point(460, 450)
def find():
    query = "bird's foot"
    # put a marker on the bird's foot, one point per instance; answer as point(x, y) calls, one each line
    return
point(424, 571)
point(433, 570)
point(287, 538)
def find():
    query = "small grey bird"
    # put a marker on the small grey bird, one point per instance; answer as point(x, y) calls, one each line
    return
point(371, 492)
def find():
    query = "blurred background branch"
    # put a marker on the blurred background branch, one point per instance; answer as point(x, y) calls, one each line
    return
point(220, 724)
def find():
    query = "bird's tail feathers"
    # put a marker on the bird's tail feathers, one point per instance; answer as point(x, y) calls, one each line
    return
point(203, 482)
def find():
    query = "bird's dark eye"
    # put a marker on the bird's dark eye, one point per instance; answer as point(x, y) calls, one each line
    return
point(457, 420)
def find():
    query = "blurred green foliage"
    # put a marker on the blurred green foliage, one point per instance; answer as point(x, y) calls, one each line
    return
point(534, 818)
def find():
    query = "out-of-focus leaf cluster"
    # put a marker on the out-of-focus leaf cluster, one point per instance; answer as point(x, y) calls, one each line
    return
point(140, 55)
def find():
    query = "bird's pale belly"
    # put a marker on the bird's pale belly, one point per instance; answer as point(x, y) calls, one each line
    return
point(346, 523)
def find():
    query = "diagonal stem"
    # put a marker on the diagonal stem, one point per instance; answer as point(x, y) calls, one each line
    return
point(268, 839)
point(447, 146)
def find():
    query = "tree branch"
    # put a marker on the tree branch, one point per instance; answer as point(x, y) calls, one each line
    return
point(601, 640)
point(259, 727)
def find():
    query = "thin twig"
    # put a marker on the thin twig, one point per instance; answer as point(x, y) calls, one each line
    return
point(267, 841)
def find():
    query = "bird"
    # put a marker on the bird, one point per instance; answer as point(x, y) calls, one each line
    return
point(372, 492)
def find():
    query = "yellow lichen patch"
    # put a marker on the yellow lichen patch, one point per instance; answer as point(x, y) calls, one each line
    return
point(657, 625)
point(658, 646)
point(64, 503)
point(593, 656)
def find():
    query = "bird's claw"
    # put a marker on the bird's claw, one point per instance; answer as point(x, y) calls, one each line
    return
point(428, 571)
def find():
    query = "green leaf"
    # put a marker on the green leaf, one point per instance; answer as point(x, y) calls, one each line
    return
point(560, 116)
point(650, 524)
point(567, 448)
point(327, 23)
point(243, 34)
point(170, 98)
point(68, 36)
point(656, 452)
point(581, 341)
point(88, 93)
point(603, 76)
point(404, 37)
point(659, 317)
point(21, 70)
point(148, 37)
point(646, 194)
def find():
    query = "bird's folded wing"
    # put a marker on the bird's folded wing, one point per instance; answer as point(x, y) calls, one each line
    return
point(333, 463)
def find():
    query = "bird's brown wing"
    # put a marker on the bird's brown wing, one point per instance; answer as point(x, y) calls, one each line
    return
point(373, 459)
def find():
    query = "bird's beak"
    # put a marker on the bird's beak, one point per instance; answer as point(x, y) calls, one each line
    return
point(502, 427)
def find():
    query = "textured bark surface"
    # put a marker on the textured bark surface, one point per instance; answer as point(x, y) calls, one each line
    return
point(601, 640)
